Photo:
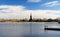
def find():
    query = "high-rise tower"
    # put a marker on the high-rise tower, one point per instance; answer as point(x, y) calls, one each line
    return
point(30, 17)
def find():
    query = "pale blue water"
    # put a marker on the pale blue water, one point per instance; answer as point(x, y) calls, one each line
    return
point(28, 29)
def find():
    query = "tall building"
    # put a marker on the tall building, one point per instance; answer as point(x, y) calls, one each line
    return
point(30, 17)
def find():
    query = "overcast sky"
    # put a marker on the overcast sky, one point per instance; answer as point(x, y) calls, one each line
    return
point(19, 9)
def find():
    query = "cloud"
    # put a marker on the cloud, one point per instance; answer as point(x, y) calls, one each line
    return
point(20, 12)
point(33, 0)
point(11, 11)
point(45, 13)
point(57, 12)
point(51, 4)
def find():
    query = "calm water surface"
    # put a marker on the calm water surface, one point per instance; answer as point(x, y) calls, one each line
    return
point(28, 29)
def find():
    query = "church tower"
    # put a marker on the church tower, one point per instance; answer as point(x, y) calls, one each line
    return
point(30, 17)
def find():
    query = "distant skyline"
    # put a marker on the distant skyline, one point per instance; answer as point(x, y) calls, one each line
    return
point(20, 9)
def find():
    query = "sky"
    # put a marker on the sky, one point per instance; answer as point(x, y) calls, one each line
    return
point(21, 9)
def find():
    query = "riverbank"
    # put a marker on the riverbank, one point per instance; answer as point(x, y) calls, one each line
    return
point(26, 20)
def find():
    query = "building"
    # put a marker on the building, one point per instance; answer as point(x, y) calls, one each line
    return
point(30, 17)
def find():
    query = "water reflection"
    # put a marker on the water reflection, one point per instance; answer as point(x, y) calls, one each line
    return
point(28, 29)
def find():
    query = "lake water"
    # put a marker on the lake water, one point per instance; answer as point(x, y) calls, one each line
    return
point(28, 29)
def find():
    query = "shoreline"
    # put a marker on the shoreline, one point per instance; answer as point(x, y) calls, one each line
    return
point(33, 21)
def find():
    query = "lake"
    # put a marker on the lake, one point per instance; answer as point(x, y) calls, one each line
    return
point(28, 29)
